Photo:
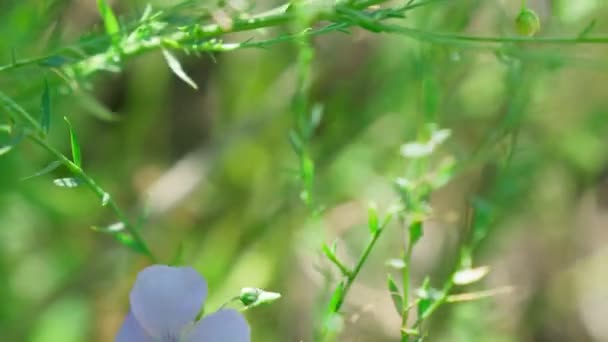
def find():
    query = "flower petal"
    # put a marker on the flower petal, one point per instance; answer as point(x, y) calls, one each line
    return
point(165, 299)
point(221, 326)
point(131, 331)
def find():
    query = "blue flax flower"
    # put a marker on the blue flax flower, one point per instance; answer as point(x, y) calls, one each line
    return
point(164, 304)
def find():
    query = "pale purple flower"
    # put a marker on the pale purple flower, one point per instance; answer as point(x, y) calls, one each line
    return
point(165, 301)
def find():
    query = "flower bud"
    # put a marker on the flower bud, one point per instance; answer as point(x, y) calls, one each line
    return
point(527, 22)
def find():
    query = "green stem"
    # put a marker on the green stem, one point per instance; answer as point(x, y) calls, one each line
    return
point(449, 38)
point(352, 275)
point(101, 194)
point(407, 257)
point(436, 304)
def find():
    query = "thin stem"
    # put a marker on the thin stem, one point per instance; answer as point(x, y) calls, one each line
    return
point(449, 38)
point(101, 194)
point(407, 257)
point(352, 275)
point(21, 112)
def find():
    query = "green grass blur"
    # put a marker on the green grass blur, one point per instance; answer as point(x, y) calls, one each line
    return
point(215, 173)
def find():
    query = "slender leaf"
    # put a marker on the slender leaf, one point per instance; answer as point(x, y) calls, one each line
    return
point(177, 69)
point(55, 61)
point(14, 108)
point(372, 218)
point(67, 182)
point(110, 229)
point(14, 141)
point(47, 169)
point(127, 240)
point(415, 232)
point(76, 154)
point(45, 103)
point(5, 149)
point(109, 19)
point(470, 275)
point(588, 29)
point(105, 199)
point(336, 299)
point(94, 107)
point(119, 232)
point(393, 289)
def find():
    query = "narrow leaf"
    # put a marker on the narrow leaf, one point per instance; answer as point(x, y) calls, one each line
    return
point(94, 107)
point(393, 289)
point(177, 69)
point(5, 149)
point(47, 169)
point(105, 199)
point(118, 231)
point(336, 299)
point(109, 19)
point(330, 253)
point(127, 240)
point(6, 129)
point(45, 104)
point(397, 264)
point(307, 171)
point(14, 141)
point(21, 113)
point(372, 218)
point(55, 61)
point(471, 296)
point(296, 142)
point(67, 182)
point(470, 275)
point(76, 155)
point(588, 28)
point(110, 229)
point(415, 232)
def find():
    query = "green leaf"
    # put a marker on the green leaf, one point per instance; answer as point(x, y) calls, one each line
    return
point(296, 142)
point(47, 169)
point(110, 229)
point(588, 28)
point(118, 231)
point(336, 299)
point(14, 108)
point(470, 275)
point(45, 104)
point(372, 218)
point(127, 240)
point(393, 289)
point(5, 149)
point(425, 297)
point(330, 253)
point(395, 263)
point(55, 61)
point(177, 69)
point(6, 129)
point(178, 258)
point(76, 155)
point(444, 172)
point(14, 141)
point(67, 182)
point(94, 107)
point(307, 170)
point(105, 199)
point(109, 19)
point(415, 232)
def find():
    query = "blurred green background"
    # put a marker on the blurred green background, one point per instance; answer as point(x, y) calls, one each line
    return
point(214, 170)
